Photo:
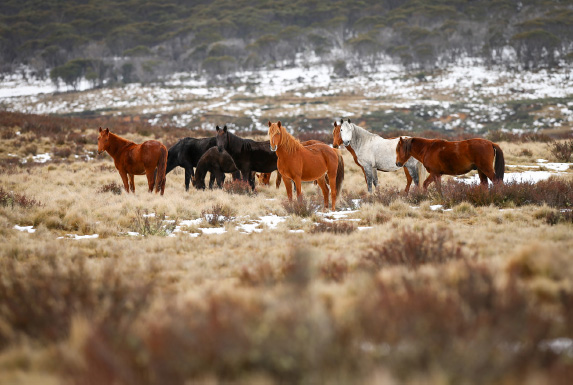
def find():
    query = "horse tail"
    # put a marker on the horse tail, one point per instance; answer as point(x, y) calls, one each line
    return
point(499, 165)
point(161, 170)
point(339, 174)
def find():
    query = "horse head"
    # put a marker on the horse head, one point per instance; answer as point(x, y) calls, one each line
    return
point(403, 151)
point(102, 140)
point(198, 183)
point(222, 138)
point(264, 178)
point(346, 131)
point(275, 135)
point(336, 138)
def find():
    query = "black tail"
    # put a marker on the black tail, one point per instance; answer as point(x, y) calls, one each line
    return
point(499, 166)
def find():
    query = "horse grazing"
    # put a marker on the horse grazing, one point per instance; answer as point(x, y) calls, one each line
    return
point(300, 163)
point(149, 158)
point(217, 163)
point(453, 158)
point(247, 154)
point(375, 153)
point(264, 178)
point(186, 153)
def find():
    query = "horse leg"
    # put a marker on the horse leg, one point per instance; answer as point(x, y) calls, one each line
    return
point(368, 172)
point(131, 182)
point(375, 177)
point(288, 186)
point(150, 174)
point(427, 182)
point(188, 175)
point(123, 175)
point(483, 178)
point(408, 180)
point(298, 184)
point(333, 190)
point(212, 180)
point(322, 183)
point(438, 180)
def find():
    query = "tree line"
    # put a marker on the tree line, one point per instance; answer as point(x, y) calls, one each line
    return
point(141, 40)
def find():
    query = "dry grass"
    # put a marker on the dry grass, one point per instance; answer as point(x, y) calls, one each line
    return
point(448, 293)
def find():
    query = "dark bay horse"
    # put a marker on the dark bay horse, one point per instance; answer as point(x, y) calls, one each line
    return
point(306, 163)
point(248, 155)
point(441, 157)
point(149, 158)
point(217, 164)
point(186, 153)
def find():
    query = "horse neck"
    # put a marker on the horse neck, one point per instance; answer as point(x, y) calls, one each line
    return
point(358, 136)
point(418, 148)
point(116, 145)
point(234, 142)
point(288, 144)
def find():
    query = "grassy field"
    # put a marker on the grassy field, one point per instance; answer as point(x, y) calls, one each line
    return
point(397, 291)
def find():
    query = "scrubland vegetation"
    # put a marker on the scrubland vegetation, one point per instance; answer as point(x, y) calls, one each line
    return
point(398, 291)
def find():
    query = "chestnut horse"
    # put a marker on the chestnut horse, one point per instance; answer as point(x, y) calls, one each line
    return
point(441, 157)
point(265, 179)
point(149, 158)
point(300, 163)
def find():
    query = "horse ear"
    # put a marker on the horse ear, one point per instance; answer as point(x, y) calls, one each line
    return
point(225, 128)
point(279, 124)
point(107, 130)
point(335, 124)
point(348, 120)
point(341, 121)
point(270, 124)
point(100, 130)
point(217, 127)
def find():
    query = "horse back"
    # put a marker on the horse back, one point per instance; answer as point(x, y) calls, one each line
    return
point(136, 158)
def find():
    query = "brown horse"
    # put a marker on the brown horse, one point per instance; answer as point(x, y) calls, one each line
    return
point(441, 157)
point(337, 141)
point(306, 163)
point(149, 158)
point(264, 179)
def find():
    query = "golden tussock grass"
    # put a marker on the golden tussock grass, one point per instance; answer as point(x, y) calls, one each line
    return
point(275, 306)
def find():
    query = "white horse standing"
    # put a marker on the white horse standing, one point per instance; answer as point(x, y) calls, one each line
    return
point(376, 153)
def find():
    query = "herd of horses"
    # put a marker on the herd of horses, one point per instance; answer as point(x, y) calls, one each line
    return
point(298, 162)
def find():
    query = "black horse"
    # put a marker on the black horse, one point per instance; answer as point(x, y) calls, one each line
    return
point(248, 154)
point(217, 163)
point(186, 153)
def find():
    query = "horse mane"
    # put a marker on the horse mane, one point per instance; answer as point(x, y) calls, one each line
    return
point(290, 143)
point(407, 145)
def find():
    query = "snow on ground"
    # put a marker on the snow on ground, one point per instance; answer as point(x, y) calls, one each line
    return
point(185, 97)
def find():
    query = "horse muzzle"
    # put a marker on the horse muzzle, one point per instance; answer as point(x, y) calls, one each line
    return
point(399, 164)
point(99, 152)
point(346, 143)
point(275, 148)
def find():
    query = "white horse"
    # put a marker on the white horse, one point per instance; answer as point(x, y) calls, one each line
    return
point(376, 153)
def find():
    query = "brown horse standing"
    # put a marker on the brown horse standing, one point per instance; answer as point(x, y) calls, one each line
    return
point(306, 163)
point(441, 157)
point(149, 158)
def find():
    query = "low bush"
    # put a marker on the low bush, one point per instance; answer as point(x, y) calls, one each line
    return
point(218, 214)
point(334, 269)
point(238, 187)
point(414, 248)
point(304, 207)
point(145, 223)
point(336, 227)
point(11, 199)
point(112, 187)
point(562, 151)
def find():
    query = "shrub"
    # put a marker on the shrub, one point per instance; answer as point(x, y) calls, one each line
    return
point(238, 187)
point(334, 269)
point(555, 217)
point(303, 207)
point(414, 248)
point(554, 192)
point(562, 151)
point(336, 227)
point(112, 187)
point(11, 199)
point(40, 300)
point(152, 224)
point(218, 214)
